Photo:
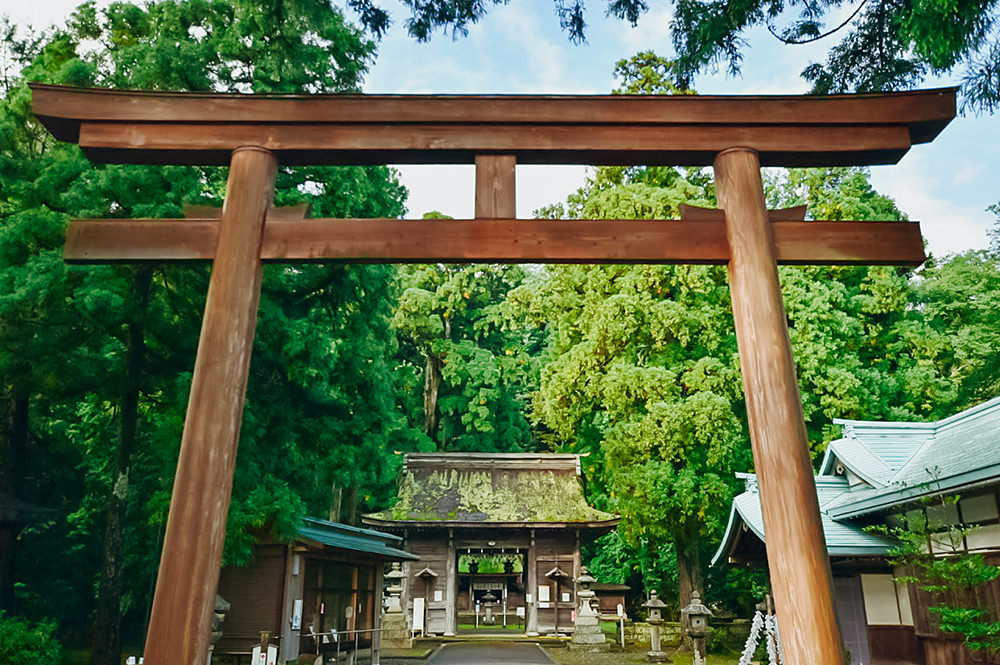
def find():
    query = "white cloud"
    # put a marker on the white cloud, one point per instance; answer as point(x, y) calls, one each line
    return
point(447, 188)
point(948, 225)
point(451, 188)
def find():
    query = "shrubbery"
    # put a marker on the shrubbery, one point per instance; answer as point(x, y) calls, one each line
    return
point(24, 642)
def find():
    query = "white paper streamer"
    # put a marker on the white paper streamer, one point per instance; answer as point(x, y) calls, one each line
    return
point(772, 640)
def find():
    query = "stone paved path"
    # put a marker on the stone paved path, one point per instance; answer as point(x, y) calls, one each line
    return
point(474, 653)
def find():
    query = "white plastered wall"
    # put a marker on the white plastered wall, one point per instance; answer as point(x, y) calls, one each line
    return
point(886, 602)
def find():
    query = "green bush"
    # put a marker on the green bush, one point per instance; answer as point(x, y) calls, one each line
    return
point(24, 643)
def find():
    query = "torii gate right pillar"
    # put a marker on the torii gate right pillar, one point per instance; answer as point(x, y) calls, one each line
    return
point(796, 549)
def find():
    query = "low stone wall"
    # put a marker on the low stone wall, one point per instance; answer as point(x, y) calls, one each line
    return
point(731, 635)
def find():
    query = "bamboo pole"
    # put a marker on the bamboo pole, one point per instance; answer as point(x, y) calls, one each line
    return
point(796, 548)
point(196, 527)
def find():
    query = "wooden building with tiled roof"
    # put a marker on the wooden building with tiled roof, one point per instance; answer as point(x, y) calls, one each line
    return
point(503, 526)
point(874, 473)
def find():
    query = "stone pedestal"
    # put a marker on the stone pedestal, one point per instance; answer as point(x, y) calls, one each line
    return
point(395, 632)
point(655, 653)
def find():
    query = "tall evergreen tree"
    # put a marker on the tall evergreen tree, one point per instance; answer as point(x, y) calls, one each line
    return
point(464, 373)
point(320, 408)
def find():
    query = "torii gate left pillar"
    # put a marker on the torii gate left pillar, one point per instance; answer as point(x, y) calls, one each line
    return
point(735, 134)
point(196, 526)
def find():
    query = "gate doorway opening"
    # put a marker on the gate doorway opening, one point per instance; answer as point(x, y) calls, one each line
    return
point(491, 591)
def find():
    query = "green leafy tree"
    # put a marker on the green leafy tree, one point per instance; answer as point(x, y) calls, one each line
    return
point(644, 372)
point(961, 323)
point(886, 45)
point(320, 388)
point(464, 373)
point(643, 376)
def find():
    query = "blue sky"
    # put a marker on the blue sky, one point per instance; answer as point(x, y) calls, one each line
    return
point(519, 48)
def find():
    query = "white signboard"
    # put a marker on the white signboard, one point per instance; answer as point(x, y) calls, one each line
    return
point(258, 657)
point(438, 595)
point(565, 597)
point(543, 594)
point(297, 614)
point(527, 598)
point(520, 612)
point(543, 606)
point(418, 614)
point(621, 610)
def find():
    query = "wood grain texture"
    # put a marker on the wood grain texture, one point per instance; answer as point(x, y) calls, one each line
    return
point(796, 548)
point(684, 145)
point(496, 195)
point(915, 108)
point(196, 526)
point(614, 129)
point(499, 241)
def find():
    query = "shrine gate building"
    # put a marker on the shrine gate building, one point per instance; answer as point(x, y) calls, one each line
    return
point(501, 530)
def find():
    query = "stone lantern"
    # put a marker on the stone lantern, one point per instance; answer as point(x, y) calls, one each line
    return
point(395, 588)
point(489, 601)
point(697, 615)
point(395, 632)
point(655, 619)
point(587, 628)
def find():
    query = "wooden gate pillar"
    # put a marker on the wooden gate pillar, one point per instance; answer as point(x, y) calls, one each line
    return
point(196, 526)
point(796, 548)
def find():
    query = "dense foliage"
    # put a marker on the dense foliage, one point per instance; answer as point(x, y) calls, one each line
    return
point(636, 366)
point(884, 45)
point(463, 373)
point(96, 360)
point(22, 642)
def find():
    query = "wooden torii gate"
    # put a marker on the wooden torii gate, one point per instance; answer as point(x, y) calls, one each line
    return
point(254, 134)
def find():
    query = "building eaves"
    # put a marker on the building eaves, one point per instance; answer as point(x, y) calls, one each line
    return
point(842, 538)
point(353, 542)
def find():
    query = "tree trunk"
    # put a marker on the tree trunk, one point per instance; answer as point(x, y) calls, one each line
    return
point(14, 445)
point(337, 495)
point(432, 383)
point(688, 578)
point(106, 649)
point(350, 505)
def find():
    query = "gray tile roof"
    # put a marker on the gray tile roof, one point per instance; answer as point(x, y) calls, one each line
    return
point(898, 463)
point(902, 462)
point(842, 538)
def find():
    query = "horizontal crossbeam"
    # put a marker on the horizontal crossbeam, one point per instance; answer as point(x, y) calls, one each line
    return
point(682, 130)
point(211, 143)
point(497, 241)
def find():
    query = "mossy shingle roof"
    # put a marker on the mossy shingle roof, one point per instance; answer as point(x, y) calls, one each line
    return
point(507, 488)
